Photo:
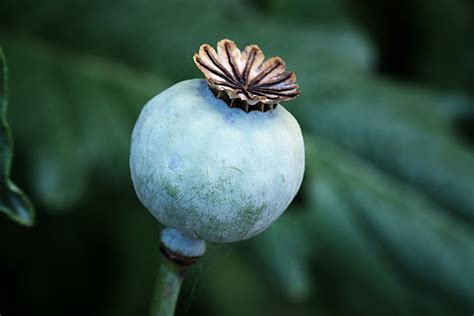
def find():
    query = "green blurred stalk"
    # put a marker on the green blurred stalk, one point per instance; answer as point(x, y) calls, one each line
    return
point(167, 287)
point(178, 253)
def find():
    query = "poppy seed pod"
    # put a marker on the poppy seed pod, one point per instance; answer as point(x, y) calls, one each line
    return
point(220, 159)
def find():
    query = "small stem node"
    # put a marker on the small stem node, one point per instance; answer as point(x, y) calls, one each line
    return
point(178, 253)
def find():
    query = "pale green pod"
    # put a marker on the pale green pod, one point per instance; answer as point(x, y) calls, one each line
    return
point(211, 171)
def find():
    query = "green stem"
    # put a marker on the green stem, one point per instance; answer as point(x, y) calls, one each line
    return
point(168, 284)
point(178, 252)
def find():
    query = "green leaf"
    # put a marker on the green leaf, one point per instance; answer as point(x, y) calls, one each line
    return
point(283, 253)
point(392, 234)
point(163, 37)
point(13, 201)
point(405, 131)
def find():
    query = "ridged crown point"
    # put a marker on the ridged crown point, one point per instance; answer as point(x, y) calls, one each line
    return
point(246, 75)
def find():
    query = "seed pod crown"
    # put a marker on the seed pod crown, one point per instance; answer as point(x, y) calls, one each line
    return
point(244, 79)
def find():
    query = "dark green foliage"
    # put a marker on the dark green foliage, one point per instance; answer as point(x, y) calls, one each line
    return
point(384, 224)
point(80, 109)
point(13, 201)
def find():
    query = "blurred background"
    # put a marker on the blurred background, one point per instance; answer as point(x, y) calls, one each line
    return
point(383, 225)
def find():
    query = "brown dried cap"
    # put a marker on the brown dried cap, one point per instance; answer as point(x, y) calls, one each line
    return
point(245, 75)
